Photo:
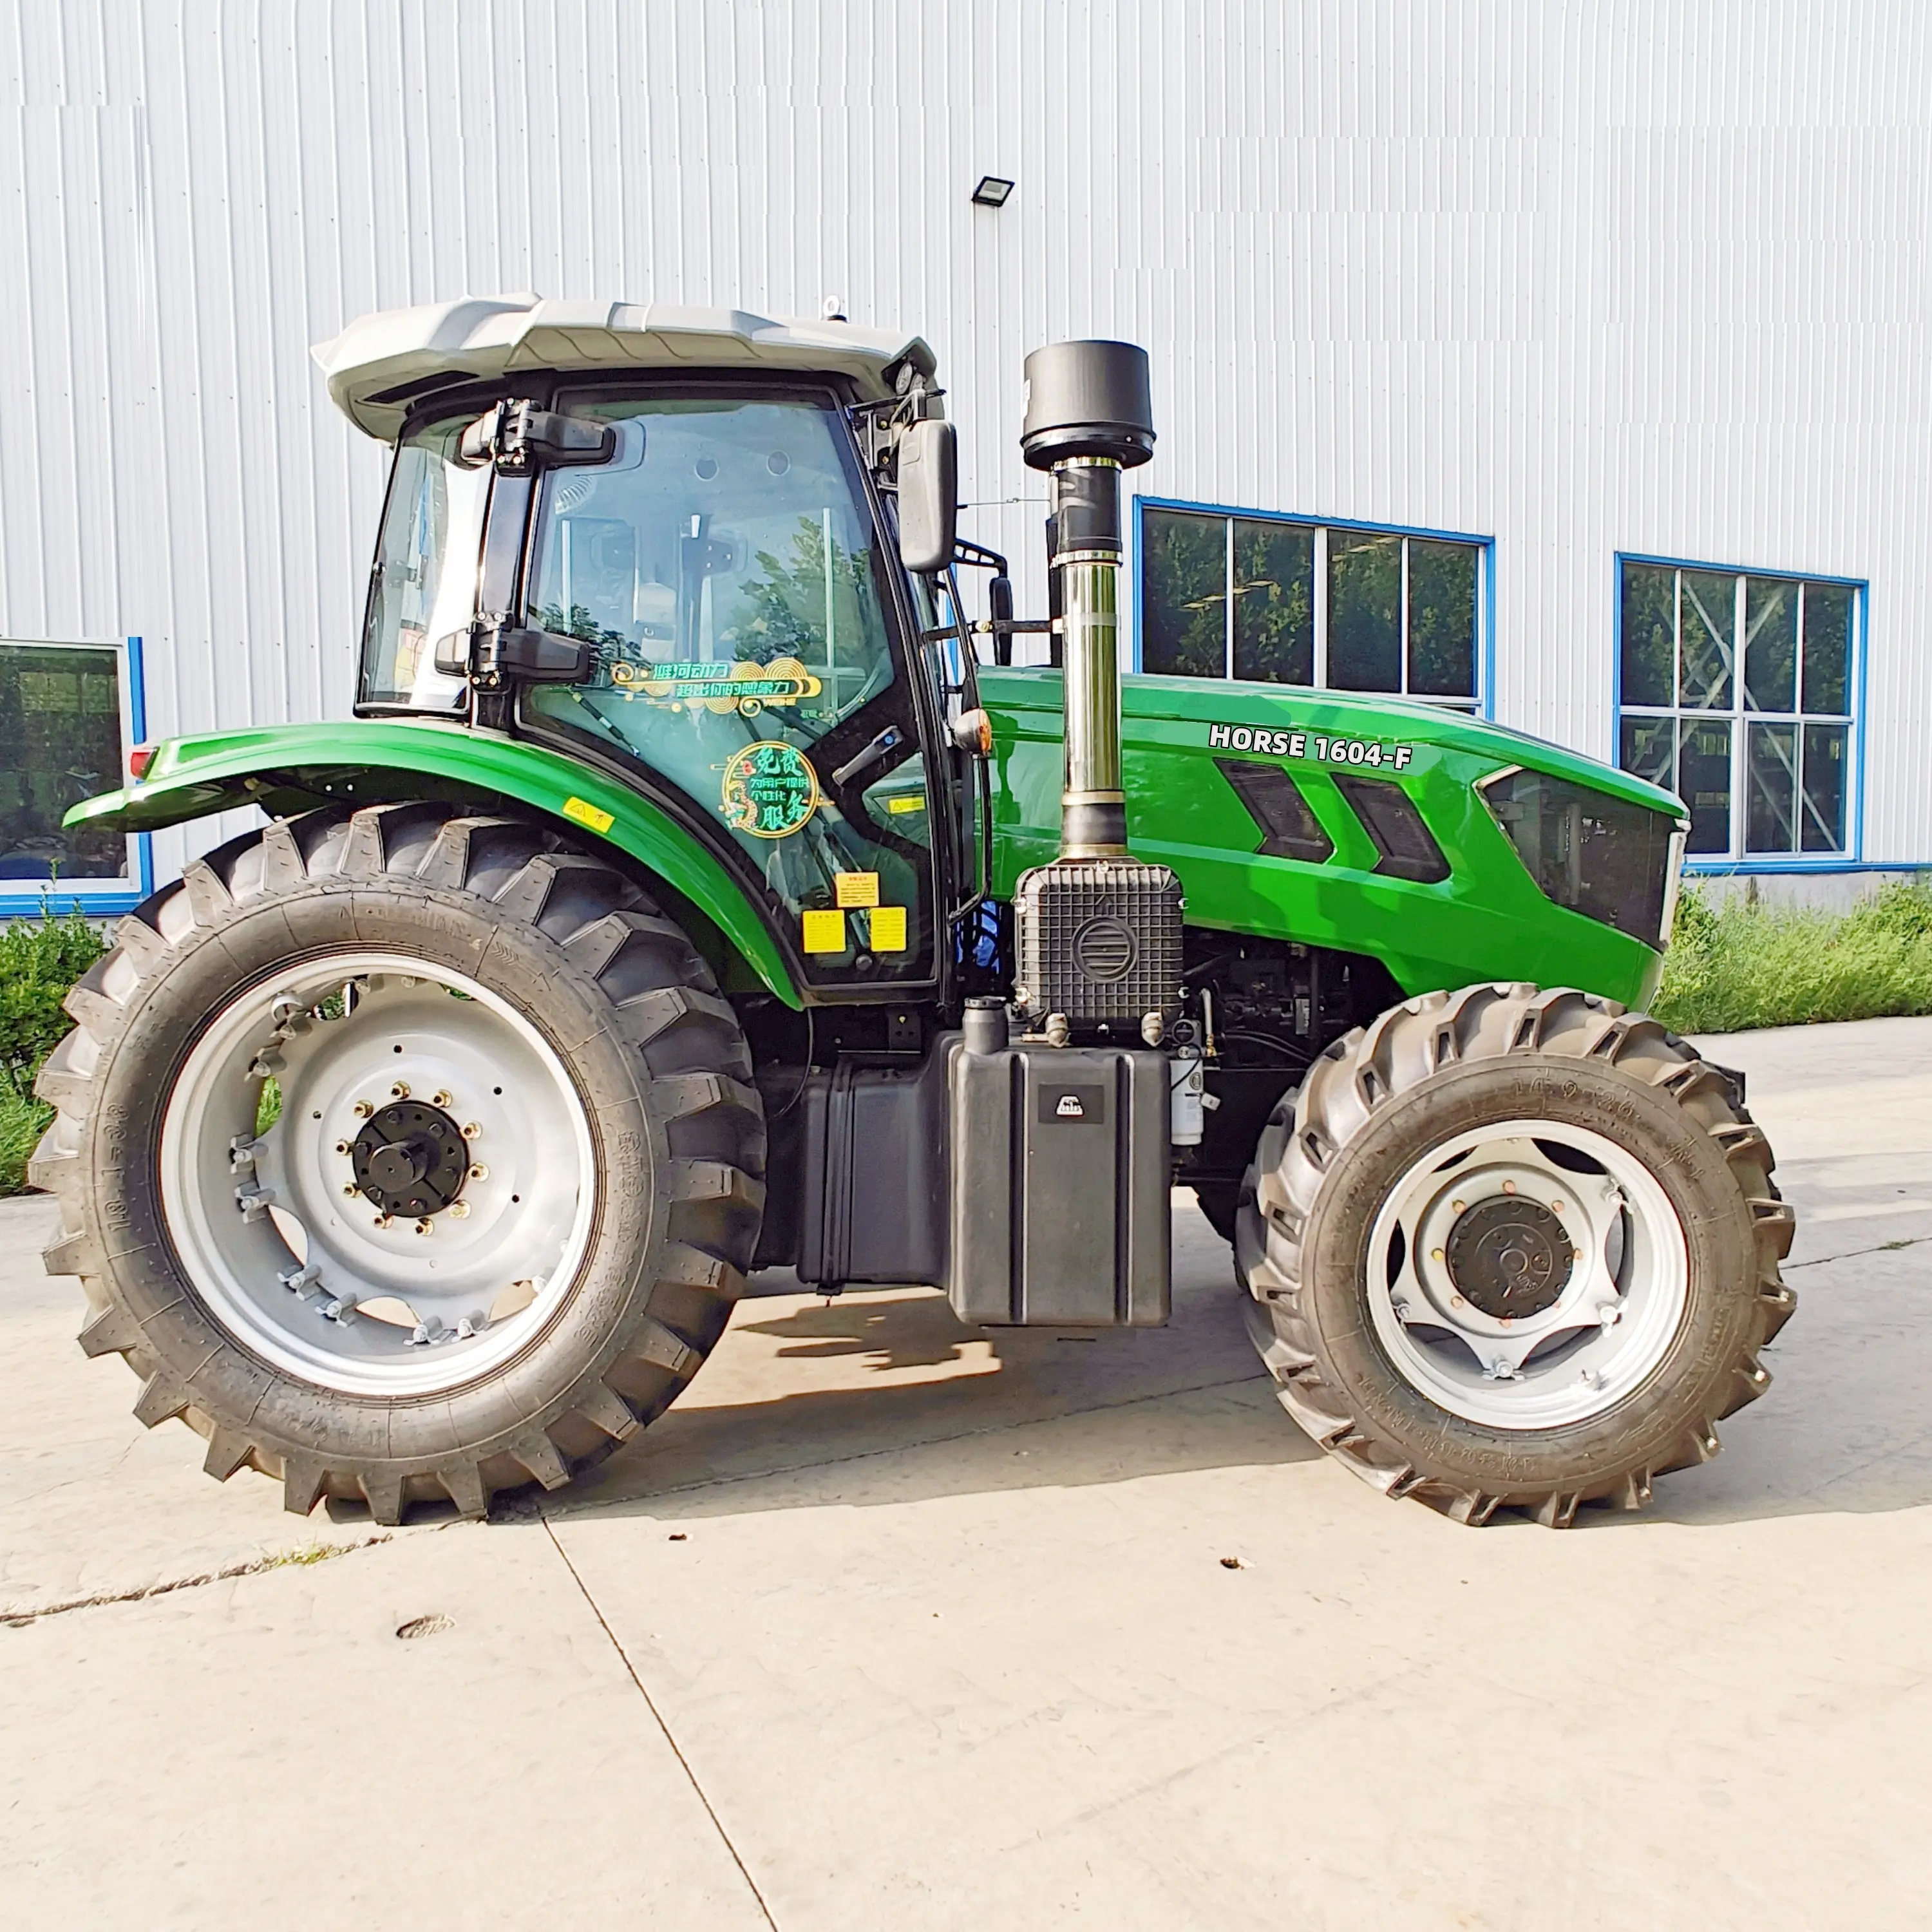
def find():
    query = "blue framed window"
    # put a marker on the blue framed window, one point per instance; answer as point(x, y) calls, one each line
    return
point(68, 711)
point(1295, 600)
point(1738, 690)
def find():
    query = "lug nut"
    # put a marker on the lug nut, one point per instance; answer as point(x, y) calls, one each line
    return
point(459, 1210)
point(384, 1220)
point(1435, 1254)
point(342, 1146)
point(1509, 1187)
point(349, 1188)
point(400, 1091)
point(1455, 1207)
point(364, 1109)
point(1555, 1206)
point(479, 1172)
point(471, 1128)
point(440, 1098)
point(425, 1226)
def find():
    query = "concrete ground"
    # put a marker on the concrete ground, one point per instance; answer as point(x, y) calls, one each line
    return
point(884, 1627)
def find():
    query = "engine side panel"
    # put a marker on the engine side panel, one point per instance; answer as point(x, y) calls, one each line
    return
point(1485, 920)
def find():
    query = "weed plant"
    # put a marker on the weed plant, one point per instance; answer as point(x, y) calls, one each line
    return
point(1739, 965)
point(39, 961)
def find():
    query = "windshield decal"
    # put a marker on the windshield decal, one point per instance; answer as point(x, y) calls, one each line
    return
point(1373, 752)
point(770, 790)
point(742, 687)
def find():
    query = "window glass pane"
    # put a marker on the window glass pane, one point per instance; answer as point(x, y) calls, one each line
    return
point(1771, 819)
point(60, 742)
point(1771, 644)
point(1823, 813)
point(724, 565)
point(1184, 594)
point(1649, 749)
point(1708, 610)
point(1649, 634)
point(1442, 619)
point(1274, 602)
point(434, 513)
point(1828, 648)
point(1364, 612)
point(1705, 782)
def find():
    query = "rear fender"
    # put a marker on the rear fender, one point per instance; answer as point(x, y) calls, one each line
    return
point(289, 768)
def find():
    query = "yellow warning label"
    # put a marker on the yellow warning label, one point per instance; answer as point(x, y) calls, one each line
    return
point(824, 931)
point(584, 813)
point(858, 889)
point(911, 801)
point(887, 925)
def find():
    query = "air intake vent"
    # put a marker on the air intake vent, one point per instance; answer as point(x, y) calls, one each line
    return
point(1407, 850)
point(1099, 940)
point(1275, 803)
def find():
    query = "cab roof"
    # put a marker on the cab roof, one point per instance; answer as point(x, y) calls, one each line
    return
point(378, 367)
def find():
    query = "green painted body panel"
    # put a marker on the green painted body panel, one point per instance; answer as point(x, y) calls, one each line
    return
point(190, 777)
point(1488, 920)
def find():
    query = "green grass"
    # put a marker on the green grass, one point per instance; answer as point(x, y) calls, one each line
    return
point(1739, 965)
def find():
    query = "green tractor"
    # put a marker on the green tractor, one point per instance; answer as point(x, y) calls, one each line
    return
point(701, 888)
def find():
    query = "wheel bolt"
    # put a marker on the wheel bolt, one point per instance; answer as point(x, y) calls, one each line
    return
point(425, 1226)
point(364, 1109)
point(349, 1188)
point(1555, 1206)
point(479, 1172)
point(459, 1210)
point(1435, 1254)
point(1455, 1207)
point(1458, 1301)
point(471, 1129)
point(1509, 1187)
point(342, 1146)
point(400, 1091)
point(440, 1098)
point(384, 1220)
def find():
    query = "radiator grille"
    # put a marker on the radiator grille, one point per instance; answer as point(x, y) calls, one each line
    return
point(1099, 940)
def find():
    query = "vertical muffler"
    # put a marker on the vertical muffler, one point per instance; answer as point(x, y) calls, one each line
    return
point(1097, 933)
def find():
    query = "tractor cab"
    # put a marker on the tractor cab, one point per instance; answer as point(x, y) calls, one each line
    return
point(660, 542)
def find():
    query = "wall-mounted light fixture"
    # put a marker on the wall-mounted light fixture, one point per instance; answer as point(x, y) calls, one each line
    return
point(991, 192)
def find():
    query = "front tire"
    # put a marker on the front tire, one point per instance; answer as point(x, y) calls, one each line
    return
point(405, 1154)
point(1513, 1248)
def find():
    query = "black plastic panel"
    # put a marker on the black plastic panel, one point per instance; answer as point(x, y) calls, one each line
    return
point(1407, 849)
point(1599, 856)
point(1275, 803)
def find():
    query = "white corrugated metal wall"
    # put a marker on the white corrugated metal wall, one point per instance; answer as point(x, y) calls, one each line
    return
point(1584, 277)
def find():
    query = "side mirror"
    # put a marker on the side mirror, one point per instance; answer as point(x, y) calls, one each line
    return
point(928, 494)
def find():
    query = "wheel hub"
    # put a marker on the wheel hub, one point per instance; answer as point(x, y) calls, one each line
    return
point(1509, 1257)
point(409, 1158)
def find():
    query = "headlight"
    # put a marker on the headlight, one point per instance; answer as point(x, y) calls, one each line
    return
point(1610, 860)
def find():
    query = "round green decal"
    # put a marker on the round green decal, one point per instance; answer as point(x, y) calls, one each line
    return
point(770, 789)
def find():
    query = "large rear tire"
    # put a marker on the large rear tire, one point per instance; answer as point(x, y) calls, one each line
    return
point(1513, 1248)
point(405, 1155)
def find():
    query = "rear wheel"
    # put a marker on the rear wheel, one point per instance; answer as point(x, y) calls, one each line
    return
point(1514, 1248)
point(405, 1155)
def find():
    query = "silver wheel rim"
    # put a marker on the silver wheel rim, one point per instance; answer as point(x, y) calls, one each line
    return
point(294, 1262)
point(1611, 1322)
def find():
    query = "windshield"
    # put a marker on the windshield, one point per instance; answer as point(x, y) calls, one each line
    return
point(434, 514)
point(723, 562)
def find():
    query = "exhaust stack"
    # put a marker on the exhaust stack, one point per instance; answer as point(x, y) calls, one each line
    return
point(1089, 415)
point(1098, 935)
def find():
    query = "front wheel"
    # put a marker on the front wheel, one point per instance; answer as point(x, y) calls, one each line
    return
point(1510, 1247)
point(405, 1155)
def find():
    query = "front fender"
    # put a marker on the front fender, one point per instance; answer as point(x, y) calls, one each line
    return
point(291, 768)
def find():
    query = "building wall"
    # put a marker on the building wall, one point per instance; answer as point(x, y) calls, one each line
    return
point(1583, 278)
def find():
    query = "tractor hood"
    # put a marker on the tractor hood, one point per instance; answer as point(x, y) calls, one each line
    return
point(378, 367)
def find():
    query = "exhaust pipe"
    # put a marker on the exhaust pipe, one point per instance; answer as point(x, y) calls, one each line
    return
point(1089, 415)
point(1097, 934)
